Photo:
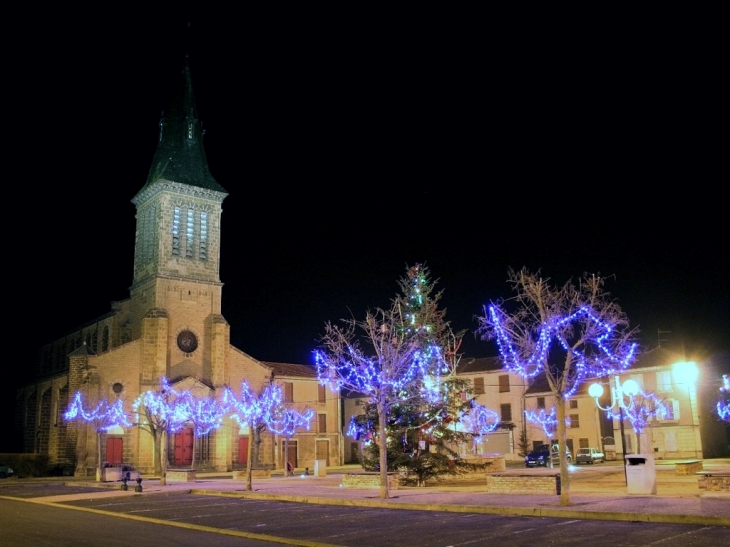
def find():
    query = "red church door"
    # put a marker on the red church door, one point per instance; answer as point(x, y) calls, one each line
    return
point(243, 450)
point(183, 455)
point(114, 451)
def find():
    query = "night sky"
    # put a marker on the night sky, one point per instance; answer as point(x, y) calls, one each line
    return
point(352, 150)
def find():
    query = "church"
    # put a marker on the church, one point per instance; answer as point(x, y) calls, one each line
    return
point(170, 327)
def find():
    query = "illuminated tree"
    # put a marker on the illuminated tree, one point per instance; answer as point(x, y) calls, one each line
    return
point(393, 356)
point(723, 405)
point(253, 410)
point(641, 408)
point(286, 421)
point(161, 413)
point(569, 333)
point(205, 414)
point(103, 417)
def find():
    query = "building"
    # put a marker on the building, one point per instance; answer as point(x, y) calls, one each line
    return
point(502, 392)
point(687, 428)
point(170, 326)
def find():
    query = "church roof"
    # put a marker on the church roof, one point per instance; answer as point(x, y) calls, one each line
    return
point(180, 155)
point(290, 369)
point(478, 364)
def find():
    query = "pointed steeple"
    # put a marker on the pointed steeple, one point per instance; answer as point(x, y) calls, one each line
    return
point(180, 155)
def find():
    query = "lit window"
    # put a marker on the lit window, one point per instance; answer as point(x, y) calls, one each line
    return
point(203, 236)
point(189, 234)
point(176, 231)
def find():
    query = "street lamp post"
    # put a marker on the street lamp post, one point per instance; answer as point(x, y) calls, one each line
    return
point(619, 393)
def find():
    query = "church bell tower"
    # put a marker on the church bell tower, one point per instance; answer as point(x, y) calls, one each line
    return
point(176, 291)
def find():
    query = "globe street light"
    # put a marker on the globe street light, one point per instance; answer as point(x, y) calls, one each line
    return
point(630, 389)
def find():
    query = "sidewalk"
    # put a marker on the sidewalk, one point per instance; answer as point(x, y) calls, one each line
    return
point(596, 492)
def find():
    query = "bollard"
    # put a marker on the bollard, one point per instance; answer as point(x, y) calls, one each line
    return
point(124, 484)
point(138, 488)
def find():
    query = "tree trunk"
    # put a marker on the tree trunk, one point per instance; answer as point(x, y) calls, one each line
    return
point(249, 457)
point(563, 436)
point(286, 457)
point(383, 453)
point(98, 456)
point(157, 444)
point(195, 439)
point(163, 458)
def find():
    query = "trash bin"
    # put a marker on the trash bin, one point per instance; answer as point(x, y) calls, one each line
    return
point(640, 474)
point(320, 468)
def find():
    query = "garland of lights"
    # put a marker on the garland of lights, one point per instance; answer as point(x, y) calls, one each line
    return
point(548, 422)
point(368, 375)
point(585, 365)
point(104, 416)
point(252, 408)
point(165, 409)
point(640, 412)
point(480, 421)
point(207, 414)
point(723, 406)
point(286, 421)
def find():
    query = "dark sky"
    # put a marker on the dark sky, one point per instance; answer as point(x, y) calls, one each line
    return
point(352, 146)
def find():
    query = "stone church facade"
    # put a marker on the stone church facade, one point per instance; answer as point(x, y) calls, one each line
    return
point(170, 326)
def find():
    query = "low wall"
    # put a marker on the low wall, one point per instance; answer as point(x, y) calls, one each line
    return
point(688, 468)
point(714, 482)
point(368, 480)
point(240, 475)
point(523, 484)
point(180, 475)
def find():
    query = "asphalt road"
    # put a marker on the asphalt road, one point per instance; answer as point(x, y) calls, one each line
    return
point(180, 518)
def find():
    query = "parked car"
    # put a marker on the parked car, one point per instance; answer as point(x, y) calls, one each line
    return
point(543, 454)
point(589, 455)
point(5, 471)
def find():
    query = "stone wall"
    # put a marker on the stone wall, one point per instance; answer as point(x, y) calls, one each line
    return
point(368, 480)
point(523, 484)
point(718, 482)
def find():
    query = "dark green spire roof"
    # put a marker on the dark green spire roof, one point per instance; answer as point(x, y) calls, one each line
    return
point(180, 155)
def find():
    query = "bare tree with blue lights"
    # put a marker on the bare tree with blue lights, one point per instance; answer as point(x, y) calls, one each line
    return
point(570, 333)
point(103, 416)
point(393, 356)
point(253, 409)
point(161, 413)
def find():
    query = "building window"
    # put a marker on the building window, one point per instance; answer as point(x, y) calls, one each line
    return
point(574, 403)
point(583, 443)
point(189, 234)
point(321, 423)
point(176, 231)
point(203, 236)
point(664, 381)
point(541, 402)
point(478, 386)
point(506, 412)
point(321, 394)
point(288, 389)
point(574, 421)
point(504, 383)
point(671, 410)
